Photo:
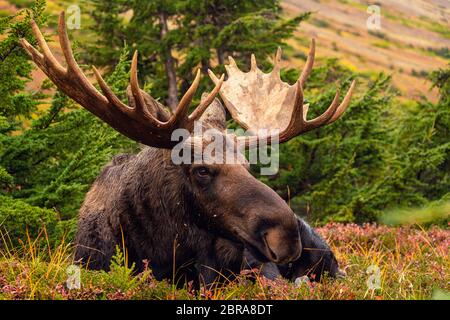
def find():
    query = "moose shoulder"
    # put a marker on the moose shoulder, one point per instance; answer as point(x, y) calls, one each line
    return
point(176, 215)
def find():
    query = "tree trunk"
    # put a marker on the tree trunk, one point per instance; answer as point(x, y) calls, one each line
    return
point(220, 56)
point(205, 65)
point(169, 64)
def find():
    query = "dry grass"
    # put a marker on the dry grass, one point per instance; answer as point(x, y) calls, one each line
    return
point(413, 264)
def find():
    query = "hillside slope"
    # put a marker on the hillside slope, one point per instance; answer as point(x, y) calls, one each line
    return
point(414, 37)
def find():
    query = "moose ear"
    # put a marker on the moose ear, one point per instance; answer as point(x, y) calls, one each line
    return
point(214, 115)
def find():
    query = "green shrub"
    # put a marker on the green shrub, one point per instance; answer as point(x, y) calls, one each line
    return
point(19, 220)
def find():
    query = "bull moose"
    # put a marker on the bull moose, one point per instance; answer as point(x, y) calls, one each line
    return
point(179, 216)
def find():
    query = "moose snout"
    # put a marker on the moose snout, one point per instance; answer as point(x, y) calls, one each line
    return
point(281, 246)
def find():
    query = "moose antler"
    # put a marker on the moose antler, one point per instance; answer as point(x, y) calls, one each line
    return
point(258, 100)
point(142, 121)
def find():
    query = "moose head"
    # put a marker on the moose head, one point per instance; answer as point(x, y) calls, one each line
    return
point(227, 199)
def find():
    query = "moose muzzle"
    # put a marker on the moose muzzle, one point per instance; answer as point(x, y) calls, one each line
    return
point(281, 245)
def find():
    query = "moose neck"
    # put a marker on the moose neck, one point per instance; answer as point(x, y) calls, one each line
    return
point(160, 212)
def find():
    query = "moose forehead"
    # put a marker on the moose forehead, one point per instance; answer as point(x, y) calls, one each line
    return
point(209, 146)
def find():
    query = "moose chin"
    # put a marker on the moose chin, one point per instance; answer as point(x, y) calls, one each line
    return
point(175, 216)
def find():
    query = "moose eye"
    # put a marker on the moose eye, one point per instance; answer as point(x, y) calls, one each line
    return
point(202, 172)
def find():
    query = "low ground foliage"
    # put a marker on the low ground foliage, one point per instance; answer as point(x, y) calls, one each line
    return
point(413, 264)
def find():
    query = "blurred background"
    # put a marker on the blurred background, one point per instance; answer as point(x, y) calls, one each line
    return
point(413, 40)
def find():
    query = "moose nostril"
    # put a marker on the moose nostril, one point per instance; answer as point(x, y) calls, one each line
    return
point(272, 254)
point(281, 246)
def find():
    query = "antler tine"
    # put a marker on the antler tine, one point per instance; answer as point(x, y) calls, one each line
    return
point(140, 106)
point(134, 84)
point(213, 76)
point(305, 110)
point(277, 61)
point(232, 67)
point(309, 63)
point(232, 62)
point(47, 55)
point(180, 115)
point(334, 111)
point(344, 104)
point(110, 95)
point(72, 65)
point(278, 55)
point(198, 112)
point(254, 66)
point(185, 102)
point(32, 52)
point(324, 117)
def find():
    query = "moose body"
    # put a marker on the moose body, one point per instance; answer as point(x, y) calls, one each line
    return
point(187, 218)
